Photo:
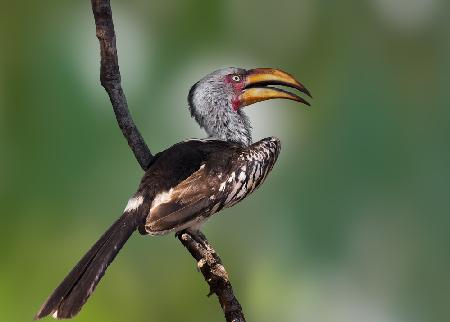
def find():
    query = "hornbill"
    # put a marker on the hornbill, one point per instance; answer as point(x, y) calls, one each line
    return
point(192, 180)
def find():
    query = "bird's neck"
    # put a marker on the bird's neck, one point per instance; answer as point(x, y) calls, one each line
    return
point(218, 118)
point(234, 127)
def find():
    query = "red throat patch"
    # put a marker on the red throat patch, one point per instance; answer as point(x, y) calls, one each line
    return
point(236, 104)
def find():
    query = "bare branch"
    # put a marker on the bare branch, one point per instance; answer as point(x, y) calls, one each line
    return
point(210, 264)
point(110, 79)
point(207, 259)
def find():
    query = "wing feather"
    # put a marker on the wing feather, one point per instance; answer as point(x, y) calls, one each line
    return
point(187, 203)
point(219, 182)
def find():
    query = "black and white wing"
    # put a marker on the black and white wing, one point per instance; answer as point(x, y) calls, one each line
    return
point(221, 181)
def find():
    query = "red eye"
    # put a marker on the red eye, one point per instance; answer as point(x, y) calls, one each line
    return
point(236, 78)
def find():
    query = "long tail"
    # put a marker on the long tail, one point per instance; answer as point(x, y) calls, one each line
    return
point(68, 298)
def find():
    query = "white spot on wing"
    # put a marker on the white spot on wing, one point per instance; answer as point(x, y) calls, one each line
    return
point(134, 203)
point(55, 314)
point(241, 192)
point(160, 198)
point(257, 174)
point(236, 187)
point(250, 178)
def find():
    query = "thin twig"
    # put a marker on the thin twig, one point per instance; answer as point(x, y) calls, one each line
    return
point(111, 81)
point(207, 259)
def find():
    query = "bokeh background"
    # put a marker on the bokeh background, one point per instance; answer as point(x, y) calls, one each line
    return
point(353, 223)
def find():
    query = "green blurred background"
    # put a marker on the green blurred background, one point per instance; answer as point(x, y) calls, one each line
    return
point(353, 223)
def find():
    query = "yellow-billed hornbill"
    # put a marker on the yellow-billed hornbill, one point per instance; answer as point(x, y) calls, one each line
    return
point(192, 180)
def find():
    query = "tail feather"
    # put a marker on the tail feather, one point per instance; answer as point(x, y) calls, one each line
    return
point(68, 298)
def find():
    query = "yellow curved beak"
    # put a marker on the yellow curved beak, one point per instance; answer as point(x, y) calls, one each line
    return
point(257, 82)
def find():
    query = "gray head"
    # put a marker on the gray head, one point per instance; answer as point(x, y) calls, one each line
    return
point(216, 101)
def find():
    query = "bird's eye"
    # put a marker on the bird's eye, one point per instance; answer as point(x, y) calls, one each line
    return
point(236, 78)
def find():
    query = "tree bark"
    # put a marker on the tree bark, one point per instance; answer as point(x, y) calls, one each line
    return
point(111, 81)
point(210, 264)
point(208, 261)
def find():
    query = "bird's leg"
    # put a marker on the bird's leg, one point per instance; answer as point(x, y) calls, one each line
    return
point(196, 235)
point(199, 237)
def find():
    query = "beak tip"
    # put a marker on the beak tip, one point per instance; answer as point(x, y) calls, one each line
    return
point(307, 92)
point(301, 100)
